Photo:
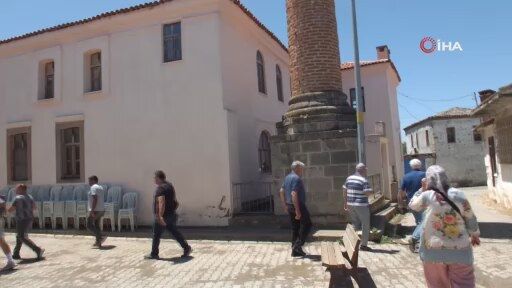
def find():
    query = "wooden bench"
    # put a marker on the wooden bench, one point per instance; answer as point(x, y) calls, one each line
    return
point(342, 257)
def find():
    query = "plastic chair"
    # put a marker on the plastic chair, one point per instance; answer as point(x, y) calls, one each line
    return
point(10, 199)
point(38, 213)
point(128, 211)
point(4, 191)
point(81, 204)
point(68, 196)
point(112, 205)
point(54, 208)
point(43, 195)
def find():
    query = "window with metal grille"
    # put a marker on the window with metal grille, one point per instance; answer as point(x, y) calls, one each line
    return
point(427, 139)
point(477, 137)
point(49, 76)
point(172, 42)
point(279, 80)
point(264, 153)
point(95, 71)
point(353, 98)
point(71, 153)
point(18, 147)
point(260, 63)
point(504, 143)
point(450, 134)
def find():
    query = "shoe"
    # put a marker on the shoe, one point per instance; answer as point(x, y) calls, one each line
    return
point(9, 266)
point(298, 253)
point(186, 252)
point(103, 238)
point(405, 241)
point(16, 257)
point(96, 245)
point(40, 254)
point(417, 248)
point(364, 248)
point(151, 257)
point(414, 245)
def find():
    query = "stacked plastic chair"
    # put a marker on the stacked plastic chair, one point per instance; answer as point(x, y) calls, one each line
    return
point(112, 205)
point(128, 210)
point(81, 204)
point(68, 196)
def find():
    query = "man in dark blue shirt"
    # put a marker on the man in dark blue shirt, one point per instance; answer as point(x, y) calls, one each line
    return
point(293, 198)
point(411, 183)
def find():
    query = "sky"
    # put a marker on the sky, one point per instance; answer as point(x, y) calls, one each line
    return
point(431, 83)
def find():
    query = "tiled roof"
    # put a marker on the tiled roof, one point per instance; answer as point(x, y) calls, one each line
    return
point(350, 65)
point(453, 113)
point(131, 9)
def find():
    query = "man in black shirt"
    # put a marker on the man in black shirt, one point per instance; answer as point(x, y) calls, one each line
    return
point(164, 208)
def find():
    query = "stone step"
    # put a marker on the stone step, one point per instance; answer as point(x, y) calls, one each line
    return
point(381, 218)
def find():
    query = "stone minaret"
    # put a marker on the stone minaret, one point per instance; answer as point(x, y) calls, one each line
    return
point(319, 128)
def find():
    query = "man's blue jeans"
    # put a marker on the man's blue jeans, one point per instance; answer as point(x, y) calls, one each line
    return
point(418, 216)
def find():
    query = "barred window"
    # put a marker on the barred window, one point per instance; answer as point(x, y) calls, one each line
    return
point(450, 134)
point(264, 153)
point(279, 80)
point(172, 42)
point(49, 76)
point(504, 143)
point(262, 87)
point(95, 71)
point(353, 98)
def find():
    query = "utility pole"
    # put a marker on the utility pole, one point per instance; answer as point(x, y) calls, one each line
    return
point(361, 155)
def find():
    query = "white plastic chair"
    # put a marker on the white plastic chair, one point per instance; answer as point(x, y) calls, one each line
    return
point(10, 199)
point(54, 208)
point(112, 205)
point(43, 195)
point(4, 191)
point(68, 196)
point(38, 213)
point(128, 210)
point(81, 204)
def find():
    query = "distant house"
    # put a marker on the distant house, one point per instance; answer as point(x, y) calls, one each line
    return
point(380, 80)
point(496, 130)
point(448, 139)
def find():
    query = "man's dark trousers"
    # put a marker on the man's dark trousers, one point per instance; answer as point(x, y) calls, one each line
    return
point(158, 230)
point(300, 228)
point(22, 227)
point(94, 225)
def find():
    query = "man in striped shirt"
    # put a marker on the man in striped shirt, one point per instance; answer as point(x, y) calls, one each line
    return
point(356, 191)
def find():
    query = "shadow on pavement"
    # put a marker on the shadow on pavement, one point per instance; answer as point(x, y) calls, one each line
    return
point(178, 260)
point(30, 261)
point(341, 279)
point(495, 230)
point(382, 251)
point(107, 247)
point(315, 258)
point(7, 272)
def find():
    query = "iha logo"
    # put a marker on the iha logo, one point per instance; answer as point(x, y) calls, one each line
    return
point(430, 45)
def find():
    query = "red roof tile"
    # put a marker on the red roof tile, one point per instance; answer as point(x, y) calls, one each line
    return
point(350, 65)
point(131, 9)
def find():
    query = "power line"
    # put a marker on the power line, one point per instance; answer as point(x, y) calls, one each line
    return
point(408, 112)
point(435, 100)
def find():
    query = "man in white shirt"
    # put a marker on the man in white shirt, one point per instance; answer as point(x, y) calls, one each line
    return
point(96, 208)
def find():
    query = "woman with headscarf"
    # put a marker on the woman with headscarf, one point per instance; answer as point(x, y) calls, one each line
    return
point(449, 230)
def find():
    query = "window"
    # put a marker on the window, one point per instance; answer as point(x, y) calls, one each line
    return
point(450, 134)
point(353, 99)
point(18, 158)
point(70, 151)
point(412, 142)
point(264, 153)
point(279, 80)
point(417, 140)
point(427, 140)
point(477, 137)
point(261, 73)
point(92, 72)
point(172, 42)
point(95, 71)
point(49, 76)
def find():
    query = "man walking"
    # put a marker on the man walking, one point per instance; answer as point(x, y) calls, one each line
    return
point(96, 208)
point(5, 247)
point(355, 194)
point(165, 205)
point(411, 183)
point(24, 207)
point(293, 198)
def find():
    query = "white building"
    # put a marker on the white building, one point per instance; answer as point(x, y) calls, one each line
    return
point(448, 139)
point(192, 87)
point(379, 79)
point(496, 129)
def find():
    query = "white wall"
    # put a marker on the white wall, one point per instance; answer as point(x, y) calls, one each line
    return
point(462, 160)
point(380, 85)
point(150, 115)
point(250, 112)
